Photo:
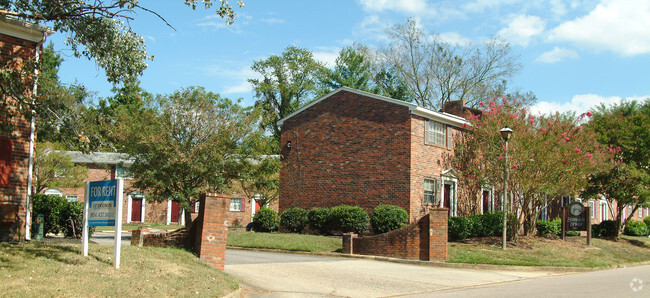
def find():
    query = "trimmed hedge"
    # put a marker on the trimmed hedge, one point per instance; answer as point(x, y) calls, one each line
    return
point(385, 218)
point(346, 219)
point(294, 220)
point(636, 228)
point(319, 220)
point(554, 227)
point(484, 225)
point(646, 220)
point(606, 228)
point(265, 220)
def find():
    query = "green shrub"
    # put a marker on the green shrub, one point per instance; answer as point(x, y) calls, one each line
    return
point(490, 224)
point(71, 220)
point(608, 229)
point(319, 220)
point(571, 233)
point(459, 228)
point(646, 220)
point(385, 218)
point(50, 206)
point(549, 227)
point(265, 220)
point(595, 230)
point(294, 219)
point(346, 219)
point(636, 228)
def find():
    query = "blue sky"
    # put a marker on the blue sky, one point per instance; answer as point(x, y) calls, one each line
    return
point(574, 53)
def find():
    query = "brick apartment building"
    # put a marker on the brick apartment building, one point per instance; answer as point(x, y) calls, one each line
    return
point(358, 148)
point(20, 44)
point(362, 149)
point(138, 207)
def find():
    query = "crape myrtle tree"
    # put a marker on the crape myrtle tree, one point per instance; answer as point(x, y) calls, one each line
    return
point(549, 156)
point(625, 128)
point(437, 71)
point(188, 143)
point(98, 30)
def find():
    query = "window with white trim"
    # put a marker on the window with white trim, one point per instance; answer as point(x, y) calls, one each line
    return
point(429, 190)
point(436, 133)
point(603, 211)
point(592, 208)
point(123, 172)
point(72, 198)
point(53, 192)
point(235, 204)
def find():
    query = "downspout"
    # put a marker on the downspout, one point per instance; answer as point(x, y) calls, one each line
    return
point(32, 128)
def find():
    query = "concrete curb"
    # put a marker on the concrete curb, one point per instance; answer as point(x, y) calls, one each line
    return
point(447, 265)
point(235, 293)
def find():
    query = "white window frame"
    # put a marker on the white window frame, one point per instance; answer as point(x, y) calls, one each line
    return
point(53, 192)
point(429, 192)
point(603, 211)
point(436, 133)
point(490, 199)
point(72, 198)
point(449, 177)
point(125, 173)
point(235, 204)
point(592, 207)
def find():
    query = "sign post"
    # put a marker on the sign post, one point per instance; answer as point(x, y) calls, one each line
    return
point(103, 207)
point(576, 217)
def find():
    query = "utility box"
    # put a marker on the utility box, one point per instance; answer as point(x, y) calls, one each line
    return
point(39, 227)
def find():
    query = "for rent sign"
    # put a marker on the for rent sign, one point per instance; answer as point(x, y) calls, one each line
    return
point(102, 203)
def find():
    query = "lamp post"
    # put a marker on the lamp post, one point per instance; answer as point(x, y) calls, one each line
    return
point(506, 133)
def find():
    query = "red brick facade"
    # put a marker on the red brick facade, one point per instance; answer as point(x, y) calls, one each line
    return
point(356, 148)
point(19, 44)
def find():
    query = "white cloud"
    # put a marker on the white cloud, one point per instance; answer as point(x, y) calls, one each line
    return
point(242, 87)
point(233, 76)
point(578, 104)
point(326, 55)
point(371, 28)
point(522, 28)
point(557, 55)
point(454, 38)
point(411, 7)
point(620, 26)
point(482, 5)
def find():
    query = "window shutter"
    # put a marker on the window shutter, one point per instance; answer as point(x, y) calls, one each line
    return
point(438, 192)
point(6, 147)
point(243, 205)
point(450, 139)
point(426, 132)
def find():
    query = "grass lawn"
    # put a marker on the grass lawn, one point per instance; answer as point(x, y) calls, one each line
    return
point(57, 268)
point(134, 226)
point(528, 251)
point(538, 251)
point(292, 242)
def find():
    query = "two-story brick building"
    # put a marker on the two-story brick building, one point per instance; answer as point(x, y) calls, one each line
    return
point(20, 46)
point(362, 149)
point(139, 207)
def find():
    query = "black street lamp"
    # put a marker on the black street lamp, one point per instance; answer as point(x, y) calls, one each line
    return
point(506, 133)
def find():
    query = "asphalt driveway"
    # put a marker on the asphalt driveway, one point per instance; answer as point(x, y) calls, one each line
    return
point(294, 275)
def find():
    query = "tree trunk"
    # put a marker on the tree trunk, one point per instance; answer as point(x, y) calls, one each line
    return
point(188, 217)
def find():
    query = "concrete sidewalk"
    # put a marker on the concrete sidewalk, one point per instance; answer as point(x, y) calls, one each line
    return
point(108, 237)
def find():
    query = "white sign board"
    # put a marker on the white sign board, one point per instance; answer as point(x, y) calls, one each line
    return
point(103, 207)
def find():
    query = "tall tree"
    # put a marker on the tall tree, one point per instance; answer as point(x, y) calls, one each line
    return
point(288, 81)
point(351, 69)
point(98, 30)
point(548, 156)
point(54, 169)
point(258, 172)
point(625, 128)
point(437, 71)
point(188, 145)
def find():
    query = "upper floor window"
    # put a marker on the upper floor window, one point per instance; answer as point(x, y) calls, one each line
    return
point(436, 133)
point(429, 190)
point(123, 172)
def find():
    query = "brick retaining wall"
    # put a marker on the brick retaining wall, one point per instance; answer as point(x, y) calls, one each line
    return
point(425, 239)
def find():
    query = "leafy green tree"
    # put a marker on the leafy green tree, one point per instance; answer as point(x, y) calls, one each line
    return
point(257, 172)
point(98, 30)
point(54, 169)
point(548, 156)
point(288, 81)
point(625, 128)
point(188, 145)
point(352, 69)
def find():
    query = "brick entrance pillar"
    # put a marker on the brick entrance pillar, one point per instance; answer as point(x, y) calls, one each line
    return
point(212, 230)
point(438, 218)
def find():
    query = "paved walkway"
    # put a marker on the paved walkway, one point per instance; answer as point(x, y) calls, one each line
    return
point(291, 275)
point(108, 238)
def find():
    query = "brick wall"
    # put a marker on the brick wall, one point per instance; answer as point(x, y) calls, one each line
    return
point(13, 53)
point(425, 239)
point(347, 149)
